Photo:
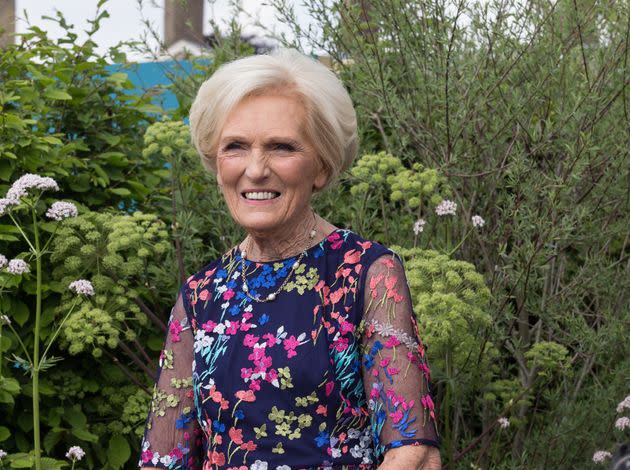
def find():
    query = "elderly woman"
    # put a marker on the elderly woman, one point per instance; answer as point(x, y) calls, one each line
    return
point(302, 341)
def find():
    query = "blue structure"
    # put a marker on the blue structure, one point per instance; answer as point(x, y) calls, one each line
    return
point(152, 76)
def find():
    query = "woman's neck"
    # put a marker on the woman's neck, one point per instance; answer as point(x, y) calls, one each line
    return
point(285, 242)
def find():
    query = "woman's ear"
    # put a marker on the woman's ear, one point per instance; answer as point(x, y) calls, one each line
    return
point(321, 178)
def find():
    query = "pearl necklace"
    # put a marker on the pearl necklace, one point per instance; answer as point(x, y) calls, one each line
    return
point(272, 295)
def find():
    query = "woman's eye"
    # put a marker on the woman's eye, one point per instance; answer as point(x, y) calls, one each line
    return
point(232, 146)
point(284, 147)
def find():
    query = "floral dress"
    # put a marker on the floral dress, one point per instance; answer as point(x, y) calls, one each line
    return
point(330, 374)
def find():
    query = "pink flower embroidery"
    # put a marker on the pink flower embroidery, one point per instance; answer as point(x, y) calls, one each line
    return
point(250, 340)
point(290, 344)
point(236, 435)
point(351, 257)
point(271, 339)
point(204, 295)
point(341, 344)
point(396, 416)
point(365, 245)
point(147, 455)
point(336, 240)
point(245, 395)
point(175, 328)
point(228, 294)
point(232, 329)
point(209, 326)
point(329, 387)
point(336, 296)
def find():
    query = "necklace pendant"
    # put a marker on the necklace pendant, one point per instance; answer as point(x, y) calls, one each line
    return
point(271, 296)
point(245, 288)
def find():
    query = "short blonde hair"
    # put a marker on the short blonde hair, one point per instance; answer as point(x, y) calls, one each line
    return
point(331, 119)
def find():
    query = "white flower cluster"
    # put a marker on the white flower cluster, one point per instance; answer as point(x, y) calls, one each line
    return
point(4, 320)
point(503, 422)
point(82, 286)
point(75, 453)
point(446, 207)
point(418, 226)
point(622, 423)
point(601, 455)
point(3, 454)
point(15, 266)
point(477, 221)
point(624, 405)
point(22, 185)
point(62, 210)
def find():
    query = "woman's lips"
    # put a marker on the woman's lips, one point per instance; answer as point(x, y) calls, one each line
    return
point(260, 202)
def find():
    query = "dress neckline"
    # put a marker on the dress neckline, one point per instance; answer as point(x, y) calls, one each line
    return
point(308, 251)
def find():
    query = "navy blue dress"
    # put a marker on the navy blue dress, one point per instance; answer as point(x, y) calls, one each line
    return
point(330, 374)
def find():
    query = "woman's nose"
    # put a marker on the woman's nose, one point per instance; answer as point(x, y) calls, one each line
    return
point(257, 164)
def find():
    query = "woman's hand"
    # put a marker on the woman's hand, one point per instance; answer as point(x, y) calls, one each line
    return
point(412, 458)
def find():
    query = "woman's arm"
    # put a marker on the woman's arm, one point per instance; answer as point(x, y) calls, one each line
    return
point(172, 437)
point(412, 458)
point(395, 372)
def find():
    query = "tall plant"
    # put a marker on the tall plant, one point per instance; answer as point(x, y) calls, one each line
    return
point(24, 197)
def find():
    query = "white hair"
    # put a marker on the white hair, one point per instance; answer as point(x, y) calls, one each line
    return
point(331, 119)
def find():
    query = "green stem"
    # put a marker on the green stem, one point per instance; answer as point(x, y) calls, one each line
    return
point(450, 253)
point(0, 347)
point(35, 373)
point(23, 234)
point(59, 329)
point(28, 356)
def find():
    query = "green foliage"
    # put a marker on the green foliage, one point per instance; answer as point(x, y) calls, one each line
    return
point(63, 111)
point(451, 303)
point(522, 108)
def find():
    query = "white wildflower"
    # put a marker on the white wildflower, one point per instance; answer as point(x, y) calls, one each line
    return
point(418, 226)
point(81, 286)
point(20, 187)
point(60, 210)
point(625, 404)
point(622, 423)
point(18, 266)
point(3, 261)
point(601, 455)
point(7, 203)
point(3, 454)
point(503, 422)
point(4, 320)
point(75, 453)
point(477, 221)
point(446, 207)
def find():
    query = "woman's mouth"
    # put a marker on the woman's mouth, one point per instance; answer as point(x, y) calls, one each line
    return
point(260, 195)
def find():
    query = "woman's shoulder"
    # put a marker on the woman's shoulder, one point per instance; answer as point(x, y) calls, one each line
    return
point(204, 275)
point(360, 248)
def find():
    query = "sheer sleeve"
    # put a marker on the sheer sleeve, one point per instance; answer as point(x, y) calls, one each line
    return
point(395, 370)
point(172, 436)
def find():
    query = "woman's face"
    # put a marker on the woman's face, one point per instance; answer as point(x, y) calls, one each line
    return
point(263, 148)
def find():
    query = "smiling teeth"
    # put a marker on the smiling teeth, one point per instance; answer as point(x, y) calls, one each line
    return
point(262, 195)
